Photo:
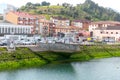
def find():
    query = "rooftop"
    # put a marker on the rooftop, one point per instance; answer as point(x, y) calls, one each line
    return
point(10, 24)
point(23, 14)
point(81, 21)
point(106, 22)
point(109, 28)
point(60, 18)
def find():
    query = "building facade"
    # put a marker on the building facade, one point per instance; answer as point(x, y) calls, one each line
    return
point(22, 18)
point(66, 30)
point(101, 24)
point(59, 21)
point(7, 28)
point(110, 33)
point(83, 24)
point(46, 28)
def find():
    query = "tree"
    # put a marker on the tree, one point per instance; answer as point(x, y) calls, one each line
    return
point(44, 3)
point(29, 5)
point(37, 4)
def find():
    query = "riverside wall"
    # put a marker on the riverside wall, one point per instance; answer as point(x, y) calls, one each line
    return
point(59, 47)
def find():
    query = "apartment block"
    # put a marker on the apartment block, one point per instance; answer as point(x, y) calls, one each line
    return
point(83, 24)
point(101, 24)
point(46, 28)
point(59, 21)
point(22, 18)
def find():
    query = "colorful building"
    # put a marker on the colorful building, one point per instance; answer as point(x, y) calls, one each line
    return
point(101, 24)
point(83, 24)
point(46, 28)
point(59, 21)
point(110, 33)
point(22, 18)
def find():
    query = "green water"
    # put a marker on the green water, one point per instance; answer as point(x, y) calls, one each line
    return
point(102, 69)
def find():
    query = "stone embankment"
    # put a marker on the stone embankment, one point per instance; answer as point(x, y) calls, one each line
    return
point(60, 47)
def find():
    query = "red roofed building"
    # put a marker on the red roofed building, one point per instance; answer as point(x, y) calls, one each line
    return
point(46, 28)
point(22, 18)
point(83, 24)
point(68, 29)
point(59, 21)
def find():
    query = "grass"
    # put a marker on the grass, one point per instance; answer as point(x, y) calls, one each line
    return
point(95, 52)
point(25, 58)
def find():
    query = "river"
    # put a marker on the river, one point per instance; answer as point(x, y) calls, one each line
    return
point(100, 69)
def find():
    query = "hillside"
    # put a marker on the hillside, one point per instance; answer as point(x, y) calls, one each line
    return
point(88, 10)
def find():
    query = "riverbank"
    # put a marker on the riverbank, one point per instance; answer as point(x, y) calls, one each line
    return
point(25, 58)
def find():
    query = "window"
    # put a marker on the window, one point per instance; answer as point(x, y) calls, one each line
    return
point(111, 32)
point(106, 32)
point(101, 32)
point(116, 32)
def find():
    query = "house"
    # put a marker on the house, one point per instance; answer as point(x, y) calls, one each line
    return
point(59, 21)
point(66, 30)
point(83, 24)
point(101, 24)
point(46, 28)
point(109, 33)
point(22, 18)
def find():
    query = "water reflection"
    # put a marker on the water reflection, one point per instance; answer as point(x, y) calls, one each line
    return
point(49, 72)
point(102, 69)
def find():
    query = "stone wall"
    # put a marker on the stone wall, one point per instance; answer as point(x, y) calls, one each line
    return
point(59, 47)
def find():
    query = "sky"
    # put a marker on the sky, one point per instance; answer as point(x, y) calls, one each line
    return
point(114, 4)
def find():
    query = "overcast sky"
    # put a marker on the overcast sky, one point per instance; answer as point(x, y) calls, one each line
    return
point(114, 4)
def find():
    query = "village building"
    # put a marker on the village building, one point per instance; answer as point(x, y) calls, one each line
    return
point(8, 28)
point(59, 21)
point(101, 24)
point(83, 24)
point(108, 34)
point(22, 18)
point(46, 28)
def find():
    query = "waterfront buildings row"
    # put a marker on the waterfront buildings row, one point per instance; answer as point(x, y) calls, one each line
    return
point(24, 23)
point(46, 27)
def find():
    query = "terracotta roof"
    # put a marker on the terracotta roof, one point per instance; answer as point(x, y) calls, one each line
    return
point(109, 28)
point(23, 14)
point(60, 18)
point(81, 21)
point(113, 28)
point(106, 22)
point(68, 27)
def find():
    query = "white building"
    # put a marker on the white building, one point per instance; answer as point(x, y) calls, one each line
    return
point(110, 33)
point(101, 24)
point(59, 21)
point(8, 28)
point(6, 8)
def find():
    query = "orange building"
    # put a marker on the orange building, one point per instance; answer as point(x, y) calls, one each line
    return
point(22, 18)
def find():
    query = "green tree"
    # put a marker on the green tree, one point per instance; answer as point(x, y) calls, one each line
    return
point(44, 3)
